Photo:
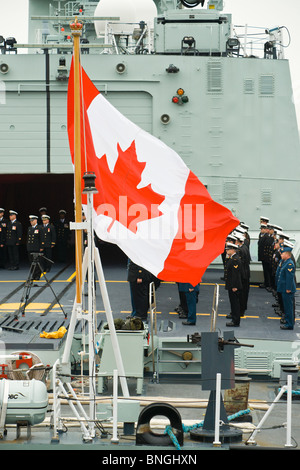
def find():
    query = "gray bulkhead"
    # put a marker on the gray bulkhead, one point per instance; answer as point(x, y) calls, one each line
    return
point(238, 131)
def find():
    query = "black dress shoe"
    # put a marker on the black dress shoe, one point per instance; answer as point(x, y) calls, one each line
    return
point(179, 310)
point(229, 316)
point(232, 324)
point(188, 323)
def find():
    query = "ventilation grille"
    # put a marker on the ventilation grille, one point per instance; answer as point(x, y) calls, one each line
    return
point(230, 191)
point(266, 196)
point(214, 77)
point(248, 86)
point(267, 85)
point(257, 361)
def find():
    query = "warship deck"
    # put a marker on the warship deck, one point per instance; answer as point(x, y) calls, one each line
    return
point(259, 323)
point(260, 326)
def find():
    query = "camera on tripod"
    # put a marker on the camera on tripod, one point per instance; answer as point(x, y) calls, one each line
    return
point(35, 272)
point(35, 256)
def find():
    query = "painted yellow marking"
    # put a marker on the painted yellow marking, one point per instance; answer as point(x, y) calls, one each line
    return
point(30, 306)
point(114, 281)
point(71, 277)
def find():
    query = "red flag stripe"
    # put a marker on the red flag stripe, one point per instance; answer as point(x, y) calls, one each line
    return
point(192, 252)
point(203, 224)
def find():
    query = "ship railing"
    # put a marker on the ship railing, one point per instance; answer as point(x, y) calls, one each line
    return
point(261, 41)
point(131, 38)
point(153, 320)
point(215, 306)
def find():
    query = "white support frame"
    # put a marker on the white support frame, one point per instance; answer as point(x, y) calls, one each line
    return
point(91, 259)
point(286, 388)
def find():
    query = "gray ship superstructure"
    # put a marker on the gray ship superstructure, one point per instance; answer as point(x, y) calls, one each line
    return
point(192, 79)
point(186, 75)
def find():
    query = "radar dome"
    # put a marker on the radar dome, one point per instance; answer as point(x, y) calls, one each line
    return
point(123, 9)
point(129, 11)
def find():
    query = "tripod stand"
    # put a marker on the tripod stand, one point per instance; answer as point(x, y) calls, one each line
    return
point(35, 270)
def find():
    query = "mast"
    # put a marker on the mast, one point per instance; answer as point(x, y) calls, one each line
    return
point(76, 29)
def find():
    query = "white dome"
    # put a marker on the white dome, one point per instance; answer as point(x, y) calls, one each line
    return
point(123, 9)
point(129, 11)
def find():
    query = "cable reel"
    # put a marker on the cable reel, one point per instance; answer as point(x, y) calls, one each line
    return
point(26, 368)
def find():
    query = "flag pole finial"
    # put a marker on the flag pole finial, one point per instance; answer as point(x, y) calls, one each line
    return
point(76, 26)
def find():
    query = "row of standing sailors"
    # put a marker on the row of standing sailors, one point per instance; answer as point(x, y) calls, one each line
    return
point(279, 270)
point(236, 259)
point(42, 237)
point(279, 267)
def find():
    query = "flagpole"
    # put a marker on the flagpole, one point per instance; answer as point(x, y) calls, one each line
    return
point(76, 29)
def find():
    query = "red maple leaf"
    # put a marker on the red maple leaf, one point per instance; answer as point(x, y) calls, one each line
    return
point(118, 195)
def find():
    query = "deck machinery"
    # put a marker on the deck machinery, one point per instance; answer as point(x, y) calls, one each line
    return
point(180, 70)
point(183, 72)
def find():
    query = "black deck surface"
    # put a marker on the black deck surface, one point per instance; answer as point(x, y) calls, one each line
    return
point(260, 322)
point(45, 313)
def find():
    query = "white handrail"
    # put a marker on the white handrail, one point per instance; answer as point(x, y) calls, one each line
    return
point(115, 439)
point(216, 441)
point(286, 388)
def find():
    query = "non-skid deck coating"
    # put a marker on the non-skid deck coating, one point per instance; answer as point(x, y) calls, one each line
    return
point(260, 321)
point(44, 313)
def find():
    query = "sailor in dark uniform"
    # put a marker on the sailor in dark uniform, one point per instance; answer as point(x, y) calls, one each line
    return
point(140, 280)
point(33, 242)
point(191, 294)
point(247, 236)
point(277, 229)
point(263, 255)
point(48, 237)
point(62, 236)
point(13, 240)
point(33, 245)
point(3, 230)
point(268, 254)
point(278, 307)
point(244, 254)
point(233, 283)
point(42, 211)
point(276, 258)
point(264, 220)
point(286, 285)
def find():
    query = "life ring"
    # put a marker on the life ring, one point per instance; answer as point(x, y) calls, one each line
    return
point(144, 434)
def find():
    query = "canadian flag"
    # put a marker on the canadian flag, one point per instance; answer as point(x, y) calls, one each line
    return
point(148, 202)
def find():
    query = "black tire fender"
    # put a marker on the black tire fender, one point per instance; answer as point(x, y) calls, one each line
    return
point(144, 434)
